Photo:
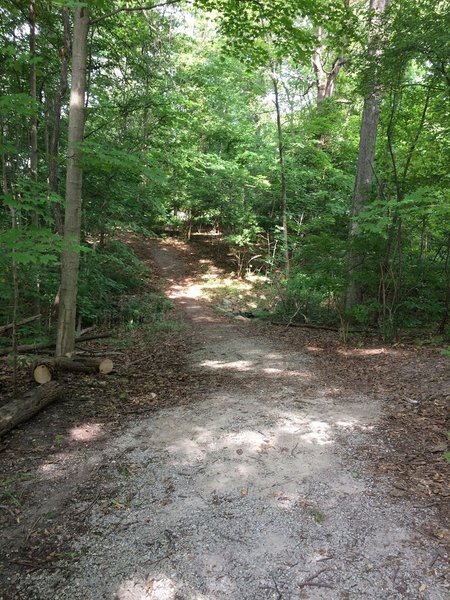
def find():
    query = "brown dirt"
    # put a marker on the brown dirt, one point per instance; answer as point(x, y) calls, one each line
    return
point(70, 439)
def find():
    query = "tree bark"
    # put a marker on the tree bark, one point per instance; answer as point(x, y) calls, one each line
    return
point(22, 409)
point(364, 173)
point(15, 279)
point(65, 341)
point(43, 368)
point(282, 163)
point(33, 94)
point(53, 171)
point(325, 80)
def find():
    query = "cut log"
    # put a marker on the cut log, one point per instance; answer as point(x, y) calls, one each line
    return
point(41, 374)
point(45, 367)
point(22, 409)
point(4, 328)
point(45, 345)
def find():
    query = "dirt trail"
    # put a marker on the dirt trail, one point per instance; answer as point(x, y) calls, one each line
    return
point(253, 491)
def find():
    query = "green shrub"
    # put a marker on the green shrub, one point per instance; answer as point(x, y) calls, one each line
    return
point(107, 273)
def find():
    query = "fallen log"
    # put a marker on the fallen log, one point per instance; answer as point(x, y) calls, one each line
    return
point(4, 328)
point(48, 345)
point(44, 368)
point(311, 326)
point(22, 409)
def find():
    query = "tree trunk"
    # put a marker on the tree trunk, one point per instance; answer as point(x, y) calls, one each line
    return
point(15, 279)
point(33, 94)
point(53, 171)
point(65, 341)
point(325, 80)
point(43, 368)
point(281, 158)
point(364, 173)
point(22, 409)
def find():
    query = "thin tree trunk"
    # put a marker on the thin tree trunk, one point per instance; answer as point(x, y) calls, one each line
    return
point(33, 131)
point(65, 341)
point(33, 94)
point(282, 163)
point(15, 281)
point(364, 174)
point(53, 170)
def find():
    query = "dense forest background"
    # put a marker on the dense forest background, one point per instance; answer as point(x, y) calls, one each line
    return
point(312, 135)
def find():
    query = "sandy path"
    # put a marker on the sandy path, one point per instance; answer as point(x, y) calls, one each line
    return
point(254, 491)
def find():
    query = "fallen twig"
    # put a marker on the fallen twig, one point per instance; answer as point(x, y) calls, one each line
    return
point(309, 581)
point(4, 328)
point(155, 562)
point(311, 326)
point(324, 558)
point(277, 589)
point(436, 554)
point(32, 566)
point(87, 510)
point(140, 359)
point(31, 530)
point(395, 574)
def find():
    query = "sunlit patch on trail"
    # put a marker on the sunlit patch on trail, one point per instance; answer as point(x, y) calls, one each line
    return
point(56, 466)
point(191, 291)
point(86, 432)
point(238, 365)
point(158, 588)
point(368, 352)
point(250, 365)
point(352, 424)
point(319, 433)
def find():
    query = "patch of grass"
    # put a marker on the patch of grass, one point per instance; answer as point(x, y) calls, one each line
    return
point(164, 326)
point(9, 494)
point(234, 294)
point(59, 439)
point(148, 308)
point(71, 556)
point(148, 314)
point(317, 516)
point(126, 470)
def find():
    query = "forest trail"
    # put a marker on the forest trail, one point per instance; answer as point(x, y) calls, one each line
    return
point(254, 490)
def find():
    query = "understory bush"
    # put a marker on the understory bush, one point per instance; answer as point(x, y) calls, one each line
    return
point(106, 275)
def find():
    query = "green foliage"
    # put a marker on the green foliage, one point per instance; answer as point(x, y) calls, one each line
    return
point(148, 308)
point(308, 298)
point(181, 130)
point(148, 315)
point(106, 274)
point(10, 494)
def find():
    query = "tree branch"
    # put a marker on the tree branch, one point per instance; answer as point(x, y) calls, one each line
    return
point(416, 137)
point(133, 9)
